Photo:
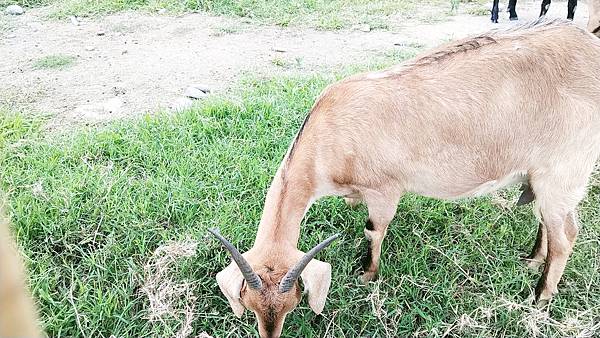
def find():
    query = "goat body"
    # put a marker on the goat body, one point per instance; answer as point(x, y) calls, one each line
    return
point(468, 118)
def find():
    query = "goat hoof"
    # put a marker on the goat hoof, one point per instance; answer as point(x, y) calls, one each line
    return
point(494, 20)
point(543, 294)
point(541, 303)
point(369, 276)
point(513, 18)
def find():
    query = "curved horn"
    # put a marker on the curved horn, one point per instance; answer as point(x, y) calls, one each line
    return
point(250, 276)
point(288, 280)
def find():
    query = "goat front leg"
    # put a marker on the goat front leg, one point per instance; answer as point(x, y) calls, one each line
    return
point(495, 11)
point(381, 212)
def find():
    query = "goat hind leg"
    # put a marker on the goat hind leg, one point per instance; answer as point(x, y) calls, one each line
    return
point(562, 232)
point(557, 205)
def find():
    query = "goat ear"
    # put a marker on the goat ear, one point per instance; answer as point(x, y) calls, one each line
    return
point(317, 279)
point(230, 282)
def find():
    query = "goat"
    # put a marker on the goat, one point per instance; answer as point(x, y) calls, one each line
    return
point(463, 120)
point(18, 317)
point(512, 4)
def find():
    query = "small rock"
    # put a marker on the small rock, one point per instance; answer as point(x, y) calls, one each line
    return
point(181, 103)
point(279, 49)
point(124, 51)
point(14, 10)
point(162, 11)
point(101, 33)
point(194, 93)
point(74, 20)
point(203, 87)
point(90, 48)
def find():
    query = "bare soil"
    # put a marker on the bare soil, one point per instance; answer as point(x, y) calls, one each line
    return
point(133, 63)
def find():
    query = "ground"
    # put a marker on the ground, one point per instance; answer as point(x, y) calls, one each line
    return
point(143, 63)
point(112, 218)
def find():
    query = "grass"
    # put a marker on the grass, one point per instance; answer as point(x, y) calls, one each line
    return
point(321, 14)
point(57, 61)
point(94, 210)
point(478, 10)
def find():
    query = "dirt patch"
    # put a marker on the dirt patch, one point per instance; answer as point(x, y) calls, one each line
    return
point(130, 63)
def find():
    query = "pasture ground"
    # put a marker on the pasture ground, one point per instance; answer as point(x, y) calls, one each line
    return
point(111, 209)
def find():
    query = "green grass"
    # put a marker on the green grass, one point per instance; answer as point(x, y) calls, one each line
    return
point(478, 10)
point(90, 206)
point(57, 61)
point(321, 14)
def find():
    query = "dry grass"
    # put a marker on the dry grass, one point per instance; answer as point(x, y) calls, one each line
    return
point(580, 324)
point(164, 292)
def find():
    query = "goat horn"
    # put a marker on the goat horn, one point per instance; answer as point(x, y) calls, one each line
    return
point(288, 280)
point(249, 275)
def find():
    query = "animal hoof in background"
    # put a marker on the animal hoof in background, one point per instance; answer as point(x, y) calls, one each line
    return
point(368, 276)
point(513, 18)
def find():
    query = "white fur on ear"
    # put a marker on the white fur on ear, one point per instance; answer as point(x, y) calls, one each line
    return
point(230, 282)
point(317, 279)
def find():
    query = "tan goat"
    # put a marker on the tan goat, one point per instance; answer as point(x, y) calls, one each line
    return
point(463, 120)
point(18, 317)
